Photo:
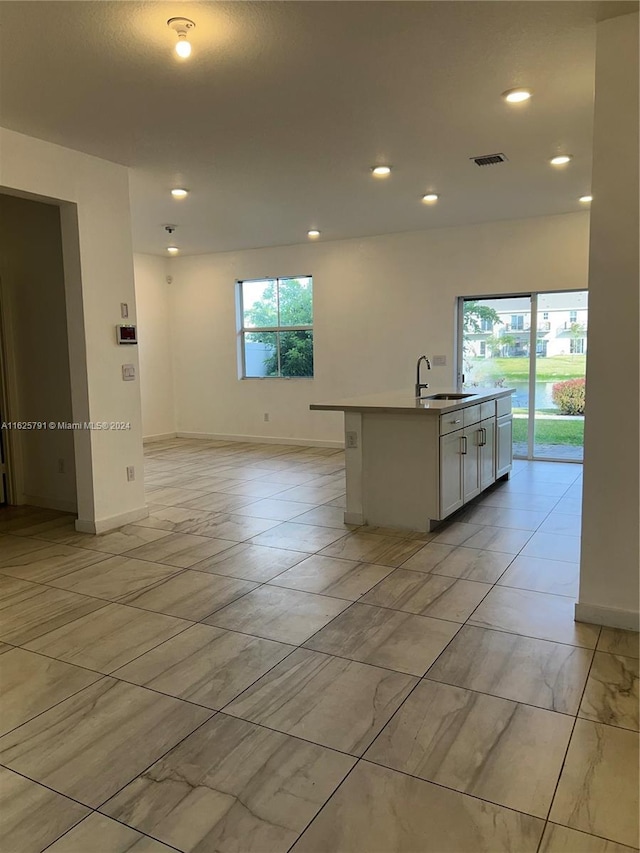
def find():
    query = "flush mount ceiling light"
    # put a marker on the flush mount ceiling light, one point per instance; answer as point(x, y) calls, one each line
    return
point(561, 159)
point(181, 27)
point(173, 250)
point(380, 171)
point(585, 199)
point(179, 193)
point(430, 198)
point(516, 96)
point(313, 233)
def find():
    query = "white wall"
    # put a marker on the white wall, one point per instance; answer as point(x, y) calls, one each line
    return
point(37, 352)
point(98, 264)
point(155, 350)
point(378, 303)
point(610, 550)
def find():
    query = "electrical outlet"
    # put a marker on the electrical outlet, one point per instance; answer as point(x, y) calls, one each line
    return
point(439, 361)
point(266, 417)
point(60, 466)
point(131, 473)
point(352, 438)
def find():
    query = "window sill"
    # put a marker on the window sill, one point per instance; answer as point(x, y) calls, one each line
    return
point(276, 378)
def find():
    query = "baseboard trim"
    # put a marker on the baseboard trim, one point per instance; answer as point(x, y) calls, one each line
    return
point(49, 503)
point(353, 518)
point(611, 617)
point(105, 525)
point(263, 439)
point(161, 436)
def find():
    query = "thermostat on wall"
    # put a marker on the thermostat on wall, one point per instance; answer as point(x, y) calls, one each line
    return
point(127, 334)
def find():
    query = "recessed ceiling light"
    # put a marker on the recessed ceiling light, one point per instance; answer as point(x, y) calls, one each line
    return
point(561, 159)
point(313, 233)
point(173, 250)
point(181, 27)
point(585, 199)
point(179, 193)
point(430, 198)
point(381, 171)
point(516, 96)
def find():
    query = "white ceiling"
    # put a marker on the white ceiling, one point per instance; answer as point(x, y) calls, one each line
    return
point(275, 120)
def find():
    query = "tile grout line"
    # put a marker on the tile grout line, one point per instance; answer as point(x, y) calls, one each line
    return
point(351, 602)
point(241, 596)
point(108, 817)
point(573, 728)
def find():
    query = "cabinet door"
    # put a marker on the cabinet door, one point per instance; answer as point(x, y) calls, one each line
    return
point(487, 453)
point(504, 445)
point(471, 462)
point(451, 473)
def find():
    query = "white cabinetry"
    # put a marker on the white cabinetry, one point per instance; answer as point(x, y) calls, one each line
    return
point(468, 456)
point(487, 451)
point(451, 488)
point(471, 462)
point(504, 437)
point(410, 468)
point(504, 445)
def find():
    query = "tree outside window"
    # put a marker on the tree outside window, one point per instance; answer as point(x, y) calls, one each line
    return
point(277, 327)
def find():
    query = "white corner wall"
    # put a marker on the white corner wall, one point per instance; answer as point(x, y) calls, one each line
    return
point(610, 564)
point(98, 262)
point(379, 302)
point(155, 348)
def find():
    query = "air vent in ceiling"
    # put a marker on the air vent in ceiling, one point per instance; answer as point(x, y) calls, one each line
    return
point(489, 159)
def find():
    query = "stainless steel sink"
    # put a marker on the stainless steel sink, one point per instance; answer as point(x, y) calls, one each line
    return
point(446, 396)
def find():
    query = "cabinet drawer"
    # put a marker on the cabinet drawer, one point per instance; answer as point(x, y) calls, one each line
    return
point(451, 422)
point(503, 406)
point(471, 415)
point(487, 410)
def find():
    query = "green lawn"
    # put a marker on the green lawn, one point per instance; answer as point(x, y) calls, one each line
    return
point(517, 369)
point(552, 431)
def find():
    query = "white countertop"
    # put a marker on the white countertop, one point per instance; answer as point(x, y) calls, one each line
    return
point(405, 402)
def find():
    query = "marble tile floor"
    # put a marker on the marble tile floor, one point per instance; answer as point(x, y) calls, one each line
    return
point(241, 672)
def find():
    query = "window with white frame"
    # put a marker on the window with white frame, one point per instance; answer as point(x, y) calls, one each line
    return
point(576, 346)
point(276, 327)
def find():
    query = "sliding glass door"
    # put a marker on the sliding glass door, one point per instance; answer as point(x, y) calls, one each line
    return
point(495, 350)
point(561, 355)
point(535, 343)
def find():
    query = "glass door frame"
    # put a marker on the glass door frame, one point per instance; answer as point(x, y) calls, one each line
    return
point(533, 357)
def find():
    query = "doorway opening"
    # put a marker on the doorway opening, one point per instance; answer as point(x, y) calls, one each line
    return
point(37, 449)
point(535, 343)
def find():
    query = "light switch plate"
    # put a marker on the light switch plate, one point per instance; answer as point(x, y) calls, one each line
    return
point(128, 372)
point(439, 361)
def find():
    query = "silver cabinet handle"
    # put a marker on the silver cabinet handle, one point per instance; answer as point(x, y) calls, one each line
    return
point(464, 446)
point(458, 421)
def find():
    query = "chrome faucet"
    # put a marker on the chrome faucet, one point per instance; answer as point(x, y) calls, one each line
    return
point(421, 385)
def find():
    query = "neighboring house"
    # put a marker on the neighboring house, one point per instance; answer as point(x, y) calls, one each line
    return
point(561, 330)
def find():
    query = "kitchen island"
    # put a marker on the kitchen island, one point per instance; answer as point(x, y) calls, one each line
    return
point(412, 462)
